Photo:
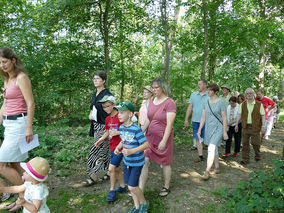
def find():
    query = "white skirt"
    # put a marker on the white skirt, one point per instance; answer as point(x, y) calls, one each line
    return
point(14, 132)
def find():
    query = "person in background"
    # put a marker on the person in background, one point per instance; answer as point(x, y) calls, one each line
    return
point(266, 102)
point(232, 114)
point(277, 113)
point(226, 94)
point(236, 94)
point(270, 122)
point(241, 98)
point(148, 94)
point(214, 117)
point(17, 113)
point(195, 104)
point(160, 134)
point(251, 112)
point(99, 157)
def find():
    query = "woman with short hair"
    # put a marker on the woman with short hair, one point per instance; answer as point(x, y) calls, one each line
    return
point(215, 118)
point(99, 157)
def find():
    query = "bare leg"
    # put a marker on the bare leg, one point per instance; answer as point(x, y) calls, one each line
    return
point(137, 195)
point(199, 147)
point(167, 170)
point(119, 177)
point(211, 156)
point(144, 174)
point(112, 171)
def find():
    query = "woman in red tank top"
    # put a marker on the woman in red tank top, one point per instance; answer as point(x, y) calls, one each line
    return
point(16, 114)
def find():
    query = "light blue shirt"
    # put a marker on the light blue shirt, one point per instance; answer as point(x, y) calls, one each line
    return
point(197, 102)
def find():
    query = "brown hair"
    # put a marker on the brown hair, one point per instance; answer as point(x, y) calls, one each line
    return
point(101, 74)
point(214, 87)
point(8, 53)
point(233, 99)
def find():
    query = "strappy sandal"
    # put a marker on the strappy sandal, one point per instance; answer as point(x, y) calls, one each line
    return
point(10, 205)
point(104, 178)
point(89, 181)
point(205, 176)
point(164, 192)
point(215, 171)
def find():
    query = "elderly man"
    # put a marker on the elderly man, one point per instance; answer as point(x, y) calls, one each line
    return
point(196, 102)
point(251, 112)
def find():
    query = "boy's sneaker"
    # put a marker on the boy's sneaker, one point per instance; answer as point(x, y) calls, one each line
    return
point(5, 196)
point(225, 155)
point(120, 190)
point(144, 207)
point(133, 210)
point(111, 196)
point(235, 154)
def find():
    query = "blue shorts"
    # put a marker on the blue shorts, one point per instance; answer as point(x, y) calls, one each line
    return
point(131, 175)
point(115, 159)
point(195, 127)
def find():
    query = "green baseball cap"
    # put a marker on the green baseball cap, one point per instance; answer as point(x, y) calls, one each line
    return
point(122, 106)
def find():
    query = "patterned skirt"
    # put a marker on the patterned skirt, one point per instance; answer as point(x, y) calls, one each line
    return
point(99, 157)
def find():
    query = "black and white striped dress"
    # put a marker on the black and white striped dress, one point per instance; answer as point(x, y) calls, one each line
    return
point(99, 157)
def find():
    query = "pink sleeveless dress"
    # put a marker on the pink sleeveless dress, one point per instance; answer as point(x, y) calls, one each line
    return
point(156, 132)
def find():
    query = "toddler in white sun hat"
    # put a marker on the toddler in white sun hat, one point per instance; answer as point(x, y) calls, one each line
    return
point(34, 189)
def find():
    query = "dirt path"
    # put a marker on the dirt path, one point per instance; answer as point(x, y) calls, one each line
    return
point(188, 192)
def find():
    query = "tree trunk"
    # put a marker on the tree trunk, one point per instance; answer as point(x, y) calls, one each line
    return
point(168, 39)
point(106, 38)
point(205, 23)
point(262, 57)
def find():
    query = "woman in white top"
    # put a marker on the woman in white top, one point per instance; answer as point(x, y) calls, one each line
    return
point(148, 94)
point(232, 113)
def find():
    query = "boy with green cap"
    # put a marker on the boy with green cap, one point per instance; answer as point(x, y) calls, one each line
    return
point(133, 143)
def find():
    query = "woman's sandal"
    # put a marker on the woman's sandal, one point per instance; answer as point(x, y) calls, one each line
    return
point(215, 171)
point(104, 178)
point(205, 176)
point(16, 208)
point(89, 182)
point(164, 192)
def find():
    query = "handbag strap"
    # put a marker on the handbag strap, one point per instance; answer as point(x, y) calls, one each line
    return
point(157, 110)
point(213, 113)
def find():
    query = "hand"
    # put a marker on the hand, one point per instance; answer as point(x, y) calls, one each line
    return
point(116, 151)
point(236, 128)
point(186, 123)
point(225, 136)
point(127, 152)
point(98, 143)
point(29, 134)
point(162, 146)
point(198, 133)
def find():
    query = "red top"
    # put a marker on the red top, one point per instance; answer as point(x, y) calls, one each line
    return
point(113, 123)
point(266, 102)
point(15, 101)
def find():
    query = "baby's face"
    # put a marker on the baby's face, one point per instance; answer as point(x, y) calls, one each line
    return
point(27, 177)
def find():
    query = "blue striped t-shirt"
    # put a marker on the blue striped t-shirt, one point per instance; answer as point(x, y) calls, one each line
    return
point(132, 137)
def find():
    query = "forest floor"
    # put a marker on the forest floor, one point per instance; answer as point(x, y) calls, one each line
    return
point(188, 192)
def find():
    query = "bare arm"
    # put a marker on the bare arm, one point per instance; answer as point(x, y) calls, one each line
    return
point(237, 122)
point(202, 121)
point(146, 124)
point(32, 207)
point(170, 122)
point(101, 139)
point(25, 86)
point(188, 112)
point(2, 111)
point(224, 118)
point(13, 189)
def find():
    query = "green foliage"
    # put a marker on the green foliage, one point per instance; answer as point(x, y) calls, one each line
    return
point(263, 192)
point(62, 146)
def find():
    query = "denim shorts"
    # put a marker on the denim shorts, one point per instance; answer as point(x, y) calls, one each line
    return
point(131, 175)
point(195, 127)
point(115, 159)
point(14, 132)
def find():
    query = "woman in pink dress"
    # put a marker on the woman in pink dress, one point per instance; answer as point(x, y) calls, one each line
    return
point(160, 135)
